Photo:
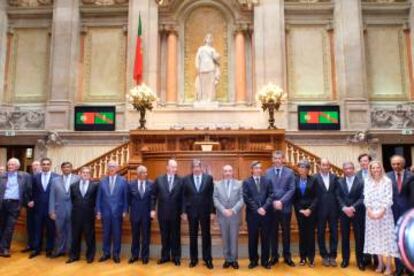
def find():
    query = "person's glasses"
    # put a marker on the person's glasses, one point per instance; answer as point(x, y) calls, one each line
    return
point(45, 164)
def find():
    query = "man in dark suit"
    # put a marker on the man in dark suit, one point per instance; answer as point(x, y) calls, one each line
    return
point(30, 225)
point(112, 207)
point(350, 196)
point(83, 194)
point(283, 187)
point(399, 177)
point(14, 194)
point(257, 195)
point(168, 199)
point(41, 191)
point(306, 202)
point(198, 189)
point(409, 191)
point(327, 212)
point(139, 201)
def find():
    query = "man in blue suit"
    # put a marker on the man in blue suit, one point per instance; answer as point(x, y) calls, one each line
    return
point(399, 177)
point(139, 201)
point(40, 193)
point(283, 186)
point(257, 195)
point(112, 207)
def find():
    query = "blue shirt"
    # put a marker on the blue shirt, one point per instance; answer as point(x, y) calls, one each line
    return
point(12, 187)
point(302, 185)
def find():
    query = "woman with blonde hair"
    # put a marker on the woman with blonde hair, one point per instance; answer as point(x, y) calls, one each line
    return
point(380, 238)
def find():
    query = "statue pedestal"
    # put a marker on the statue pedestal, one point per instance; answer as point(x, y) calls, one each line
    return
point(205, 105)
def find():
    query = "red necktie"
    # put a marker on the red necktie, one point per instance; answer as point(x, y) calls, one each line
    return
point(399, 182)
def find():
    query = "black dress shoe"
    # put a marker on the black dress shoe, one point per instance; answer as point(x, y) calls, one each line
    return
point(104, 258)
point(177, 262)
point(163, 261)
point(344, 264)
point(193, 263)
point(5, 253)
point(132, 260)
point(49, 254)
point(89, 260)
point(209, 264)
point(57, 255)
point(274, 260)
point(252, 265)
point(312, 263)
point(145, 261)
point(26, 249)
point(116, 259)
point(361, 267)
point(72, 260)
point(226, 264)
point(289, 262)
point(302, 262)
point(267, 265)
point(34, 254)
point(235, 265)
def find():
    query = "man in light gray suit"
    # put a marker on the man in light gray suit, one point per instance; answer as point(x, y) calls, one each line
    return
point(60, 208)
point(228, 200)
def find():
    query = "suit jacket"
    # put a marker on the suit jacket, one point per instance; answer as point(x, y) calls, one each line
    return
point(409, 191)
point(115, 204)
point(139, 207)
point(327, 198)
point(283, 187)
point(255, 199)
point(309, 199)
point(201, 202)
point(360, 176)
point(169, 204)
point(83, 207)
point(354, 198)
point(41, 196)
point(24, 182)
point(59, 199)
point(222, 199)
point(399, 199)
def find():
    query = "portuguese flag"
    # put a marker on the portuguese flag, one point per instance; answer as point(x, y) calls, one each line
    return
point(319, 117)
point(92, 118)
point(138, 68)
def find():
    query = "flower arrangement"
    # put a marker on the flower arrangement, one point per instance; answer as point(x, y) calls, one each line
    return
point(270, 97)
point(142, 98)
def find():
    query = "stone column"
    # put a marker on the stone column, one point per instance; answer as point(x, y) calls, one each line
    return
point(64, 53)
point(350, 64)
point(269, 43)
point(172, 67)
point(240, 69)
point(411, 32)
point(3, 47)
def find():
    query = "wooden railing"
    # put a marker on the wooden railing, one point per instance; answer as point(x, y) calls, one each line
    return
point(120, 154)
point(295, 153)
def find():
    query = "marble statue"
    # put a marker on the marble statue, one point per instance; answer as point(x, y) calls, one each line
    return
point(208, 71)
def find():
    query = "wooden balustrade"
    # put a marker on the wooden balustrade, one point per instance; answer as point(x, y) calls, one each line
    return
point(295, 153)
point(120, 154)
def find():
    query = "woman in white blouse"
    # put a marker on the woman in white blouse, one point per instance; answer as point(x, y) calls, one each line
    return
point(380, 238)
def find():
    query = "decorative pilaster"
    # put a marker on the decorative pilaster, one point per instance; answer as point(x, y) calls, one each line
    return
point(240, 62)
point(3, 48)
point(172, 67)
point(64, 53)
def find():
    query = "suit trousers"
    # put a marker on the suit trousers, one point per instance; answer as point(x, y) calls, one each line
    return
point(331, 219)
point(229, 228)
point(170, 238)
point(83, 226)
point(112, 232)
point(280, 219)
point(306, 236)
point(9, 213)
point(204, 222)
point(258, 227)
point(141, 234)
point(357, 225)
point(63, 232)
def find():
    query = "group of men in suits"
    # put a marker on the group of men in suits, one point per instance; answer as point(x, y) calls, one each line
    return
point(63, 209)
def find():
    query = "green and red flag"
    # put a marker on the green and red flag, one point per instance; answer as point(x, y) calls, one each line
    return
point(92, 118)
point(138, 66)
point(319, 117)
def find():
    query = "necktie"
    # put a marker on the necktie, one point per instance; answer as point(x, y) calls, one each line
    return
point(399, 182)
point(83, 188)
point(228, 188)
point(44, 181)
point(111, 184)
point(277, 173)
point(141, 188)
point(257, 181)
point(349, 184)
point(67, 181)
point(302, 186)
point(198, 183)
point(170, 183)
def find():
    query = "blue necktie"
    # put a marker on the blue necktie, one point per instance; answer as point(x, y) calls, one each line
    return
point(302, 186)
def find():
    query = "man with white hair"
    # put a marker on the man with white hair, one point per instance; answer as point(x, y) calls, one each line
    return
point(139, 202)
point(14, 193)
point(228, 200)
point(112, 207)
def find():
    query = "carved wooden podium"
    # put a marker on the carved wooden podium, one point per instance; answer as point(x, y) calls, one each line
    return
point(235, 147)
